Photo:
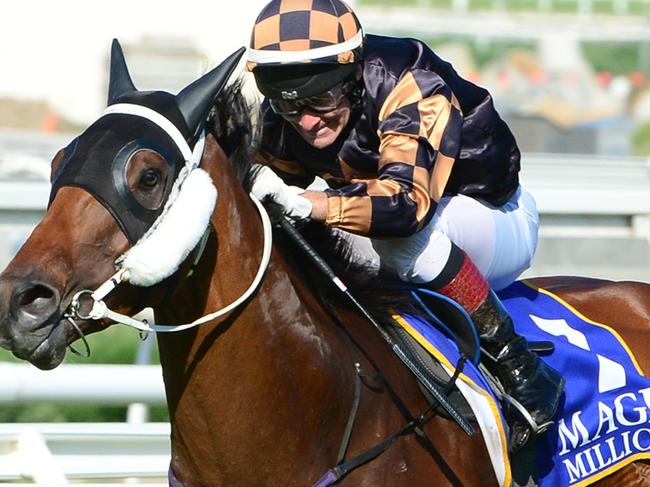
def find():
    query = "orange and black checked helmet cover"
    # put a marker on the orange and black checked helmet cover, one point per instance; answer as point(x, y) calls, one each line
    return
point(305, 31)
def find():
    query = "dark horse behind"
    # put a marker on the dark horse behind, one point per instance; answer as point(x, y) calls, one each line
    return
point(261, 395)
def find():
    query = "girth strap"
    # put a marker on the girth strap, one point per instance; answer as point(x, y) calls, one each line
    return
point(347, 433)
point(341, 469)
point(337, 473)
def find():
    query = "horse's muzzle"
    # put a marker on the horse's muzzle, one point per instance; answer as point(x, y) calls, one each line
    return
point(29, 315)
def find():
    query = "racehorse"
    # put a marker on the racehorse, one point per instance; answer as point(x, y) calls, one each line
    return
point(261, 395)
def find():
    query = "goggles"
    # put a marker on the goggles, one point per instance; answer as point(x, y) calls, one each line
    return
point(320, 104)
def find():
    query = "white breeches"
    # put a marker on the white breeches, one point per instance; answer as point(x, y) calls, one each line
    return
point(501, 241)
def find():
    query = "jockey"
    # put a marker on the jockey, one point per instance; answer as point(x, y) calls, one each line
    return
point(417, 161)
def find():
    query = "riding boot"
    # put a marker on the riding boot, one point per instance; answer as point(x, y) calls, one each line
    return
point(524, 377)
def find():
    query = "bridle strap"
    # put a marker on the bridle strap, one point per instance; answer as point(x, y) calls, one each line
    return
point(192, 158)
point(158, 119)
point(100, 310)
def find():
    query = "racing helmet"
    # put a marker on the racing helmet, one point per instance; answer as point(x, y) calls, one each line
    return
point(301, 48)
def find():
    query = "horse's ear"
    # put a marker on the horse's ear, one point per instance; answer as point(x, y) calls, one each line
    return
point(196, 99)
point(120, 81)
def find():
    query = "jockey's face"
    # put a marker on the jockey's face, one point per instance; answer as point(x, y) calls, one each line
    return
point(318, 119)
point(320, 129)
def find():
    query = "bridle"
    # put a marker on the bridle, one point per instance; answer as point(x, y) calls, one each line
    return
point(98, 309)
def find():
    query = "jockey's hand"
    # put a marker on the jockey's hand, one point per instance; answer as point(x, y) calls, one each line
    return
point(269, 185)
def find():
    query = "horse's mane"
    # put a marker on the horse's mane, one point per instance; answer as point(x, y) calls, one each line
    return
point(235, 123)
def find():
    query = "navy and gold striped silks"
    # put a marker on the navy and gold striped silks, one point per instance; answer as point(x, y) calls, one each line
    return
point(422, 132)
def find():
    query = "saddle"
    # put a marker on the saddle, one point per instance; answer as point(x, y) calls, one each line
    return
point(450, 318)
point(455, 323)
point(436, 373)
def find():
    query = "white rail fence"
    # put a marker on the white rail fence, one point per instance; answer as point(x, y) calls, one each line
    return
point(563, 185)
point(55, 454)
point(83, 384)
point(593, 196)
point(63, 453)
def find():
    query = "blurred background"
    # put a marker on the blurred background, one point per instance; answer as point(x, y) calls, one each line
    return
point(571, 77)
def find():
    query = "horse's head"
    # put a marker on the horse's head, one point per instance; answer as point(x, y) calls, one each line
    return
point(112, 187)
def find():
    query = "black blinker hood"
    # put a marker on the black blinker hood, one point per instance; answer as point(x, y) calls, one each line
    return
point(97, 160)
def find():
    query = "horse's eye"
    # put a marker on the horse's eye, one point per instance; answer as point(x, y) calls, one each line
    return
point(147, 175)
point(149, 179)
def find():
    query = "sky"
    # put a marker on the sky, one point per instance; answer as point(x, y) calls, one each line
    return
point(57, 49)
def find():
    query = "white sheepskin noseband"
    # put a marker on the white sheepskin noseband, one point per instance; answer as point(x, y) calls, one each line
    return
point(185, 218)
point(158, 254)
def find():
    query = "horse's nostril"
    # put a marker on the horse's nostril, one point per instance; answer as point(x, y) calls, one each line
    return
point(35, 300)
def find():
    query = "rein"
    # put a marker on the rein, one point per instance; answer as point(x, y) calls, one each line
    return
point(342, 467)
point(436, 391)
point(100, 310)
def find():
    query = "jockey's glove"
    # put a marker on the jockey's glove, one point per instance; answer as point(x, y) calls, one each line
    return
point(268, 185)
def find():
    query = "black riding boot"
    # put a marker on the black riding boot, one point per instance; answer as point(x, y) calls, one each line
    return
point(535, 385)
point(525, 377)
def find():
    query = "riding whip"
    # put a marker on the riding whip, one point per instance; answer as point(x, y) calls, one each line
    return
point(324, 267)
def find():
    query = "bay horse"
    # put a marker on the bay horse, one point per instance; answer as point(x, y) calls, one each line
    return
point(260, 396)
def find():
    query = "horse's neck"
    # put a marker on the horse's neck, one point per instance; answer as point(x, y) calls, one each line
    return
point(225, 269)
point(255, 362)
